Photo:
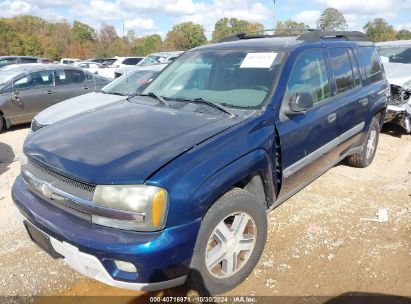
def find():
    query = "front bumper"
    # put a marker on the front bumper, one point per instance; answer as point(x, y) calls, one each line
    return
point(162, 258)
point(400, 115)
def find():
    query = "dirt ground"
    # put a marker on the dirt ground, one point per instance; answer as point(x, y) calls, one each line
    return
point(320, 242)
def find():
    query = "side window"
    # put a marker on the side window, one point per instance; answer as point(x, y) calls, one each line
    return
point(356, 70)
point(42, 79)
point(342, 70)
point(68, 76)
point(372, 63)
point(29, 60)
point(89, 78)
point(22, 83)
point(131, 61)
point(309, 75)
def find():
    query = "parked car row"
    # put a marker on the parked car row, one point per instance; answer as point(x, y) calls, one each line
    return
point(172, 183)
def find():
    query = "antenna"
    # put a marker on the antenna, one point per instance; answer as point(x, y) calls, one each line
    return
point(124, 50)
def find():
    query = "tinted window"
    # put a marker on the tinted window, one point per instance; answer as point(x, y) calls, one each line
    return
point(372, 63)
point(342, 70)
point(131, 61)
point(34, 80)
point(28, 60)
point(309, 75)
point(399, 54)
point(68, 76)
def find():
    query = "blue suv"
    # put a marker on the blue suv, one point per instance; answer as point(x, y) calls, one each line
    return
point(175, 183)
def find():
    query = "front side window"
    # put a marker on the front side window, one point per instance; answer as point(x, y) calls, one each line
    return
point(372, 63)
point(342, 70)
point(34, 80)
point(233, 78)
point(309, 75)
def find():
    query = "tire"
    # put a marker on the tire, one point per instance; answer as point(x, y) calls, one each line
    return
point(2, 123)
point(242, 209)
point(365, 157)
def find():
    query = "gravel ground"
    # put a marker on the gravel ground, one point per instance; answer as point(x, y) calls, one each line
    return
point(320, 241)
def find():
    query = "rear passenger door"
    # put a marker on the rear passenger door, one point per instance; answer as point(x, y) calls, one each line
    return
point(347, 91)
point(71, 83)
point(308, 141)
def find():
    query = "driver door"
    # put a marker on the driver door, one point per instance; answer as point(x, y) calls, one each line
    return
point(308, 140)
point(30, 94)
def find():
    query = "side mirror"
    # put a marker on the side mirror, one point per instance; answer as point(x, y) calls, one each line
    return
point(300, 102)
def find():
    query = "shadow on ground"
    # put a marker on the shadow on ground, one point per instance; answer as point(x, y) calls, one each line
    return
point(7, 156)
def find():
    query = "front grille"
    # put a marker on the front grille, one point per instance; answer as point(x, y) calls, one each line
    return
point(69, 185)
point(35, 126)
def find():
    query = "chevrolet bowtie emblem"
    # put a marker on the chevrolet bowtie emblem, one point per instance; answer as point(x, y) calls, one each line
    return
point(46, 190)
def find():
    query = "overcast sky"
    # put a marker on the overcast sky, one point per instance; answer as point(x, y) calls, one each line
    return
point(158, 16)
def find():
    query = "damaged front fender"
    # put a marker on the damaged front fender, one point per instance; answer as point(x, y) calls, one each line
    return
point(399, 108)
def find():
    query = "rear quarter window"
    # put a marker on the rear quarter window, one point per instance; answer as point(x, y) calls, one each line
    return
point(372, 63)
point(342, 69)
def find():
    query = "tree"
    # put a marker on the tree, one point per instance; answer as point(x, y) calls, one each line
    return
point(289, 27)
point(83, 32)
point(379, 30)
point(331, 20)
point(404, 35)
point(226, 27)
point(148, 44)
point(185, 36)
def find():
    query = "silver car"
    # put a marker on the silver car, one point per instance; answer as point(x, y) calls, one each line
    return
point(118, 90)
point(27, 89)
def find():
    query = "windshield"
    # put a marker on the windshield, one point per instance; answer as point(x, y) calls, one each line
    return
point(398, 54)
point(151, 59)
point(6, 76)
point(130, 84)
point(231, 78)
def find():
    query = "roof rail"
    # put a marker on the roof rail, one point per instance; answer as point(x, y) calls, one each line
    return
point(317, 35)
point(261, 34)
point(306, 34)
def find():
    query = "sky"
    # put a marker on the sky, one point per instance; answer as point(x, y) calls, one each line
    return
point(158, 16)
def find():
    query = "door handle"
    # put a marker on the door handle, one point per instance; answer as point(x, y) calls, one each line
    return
point(332, 117)
point(85, 87)
point(49, 92)
point(363, 101)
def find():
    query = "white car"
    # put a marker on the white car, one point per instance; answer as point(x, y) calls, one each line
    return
point(90, 66)
point(154, 58)
point(69, 60)
point(121, 62)
point(116, 90)
point(396, 57)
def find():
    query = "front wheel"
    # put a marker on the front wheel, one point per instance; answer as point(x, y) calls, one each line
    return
point(369, 147)
point(229, 244)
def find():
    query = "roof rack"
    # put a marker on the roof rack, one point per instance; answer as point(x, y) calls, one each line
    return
point(306, 34)
point(317, 35)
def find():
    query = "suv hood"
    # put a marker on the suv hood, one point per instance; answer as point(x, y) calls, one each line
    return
point(122, 143)
point(73, 106)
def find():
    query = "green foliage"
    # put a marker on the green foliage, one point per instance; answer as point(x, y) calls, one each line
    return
point(146, 45)
point(83, 32)
point(379, 30)
point(404, 35)
point(185, 36)
point(226, 27)
point(331, 20)
point(289, 27)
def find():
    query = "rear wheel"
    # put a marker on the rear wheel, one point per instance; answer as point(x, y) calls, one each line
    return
point(2, 123)
point(230, 242)
point(369, 147)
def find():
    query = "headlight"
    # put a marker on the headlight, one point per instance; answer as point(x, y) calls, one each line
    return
point(147, 204)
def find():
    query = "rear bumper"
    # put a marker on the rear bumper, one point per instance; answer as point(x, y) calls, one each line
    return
point(162, 258)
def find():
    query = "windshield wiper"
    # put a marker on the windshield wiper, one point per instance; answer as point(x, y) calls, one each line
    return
point(152, 95)
point(206, 102)
point(115, 93)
